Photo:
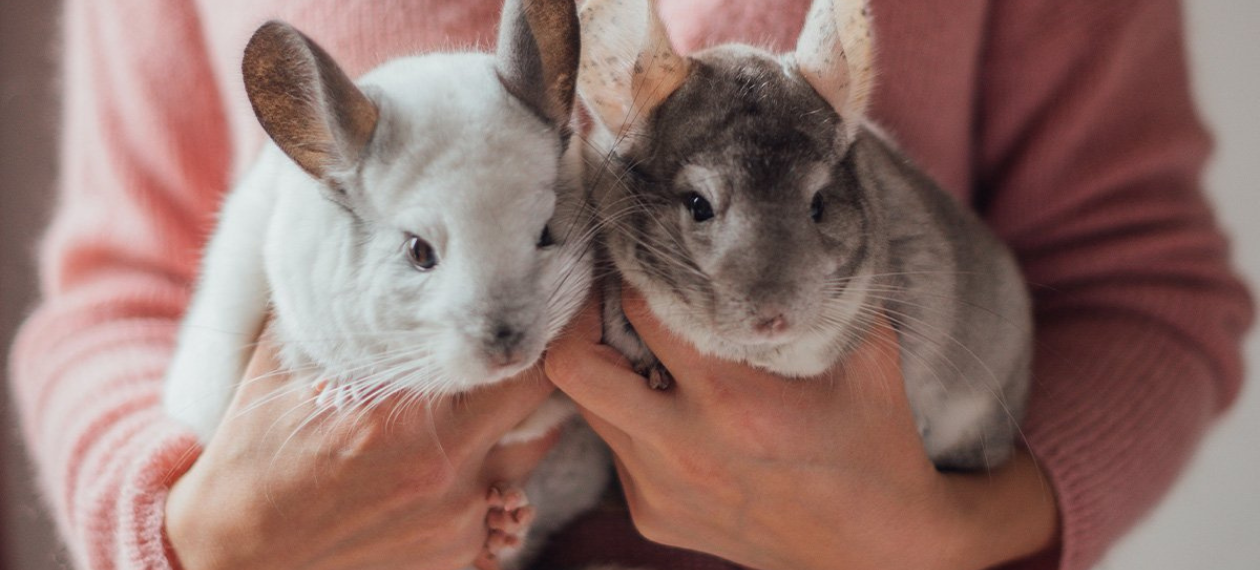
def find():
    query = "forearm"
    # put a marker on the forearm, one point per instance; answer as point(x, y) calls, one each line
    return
point(86, 384)
point(115, 267)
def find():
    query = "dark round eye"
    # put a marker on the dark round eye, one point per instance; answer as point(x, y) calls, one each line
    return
point(545, 239)
point(816, 208)
point(421, 254)
point(701, 210)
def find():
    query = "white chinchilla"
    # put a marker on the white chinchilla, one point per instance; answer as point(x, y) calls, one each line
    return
point(765, 219)
point(423, 231)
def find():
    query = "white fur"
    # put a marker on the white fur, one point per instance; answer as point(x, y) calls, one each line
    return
point(809, 354)
point(456, 161)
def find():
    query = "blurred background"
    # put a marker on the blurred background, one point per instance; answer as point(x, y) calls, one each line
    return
point(1211, 520)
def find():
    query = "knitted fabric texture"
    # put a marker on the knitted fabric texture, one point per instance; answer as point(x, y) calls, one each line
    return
point(1066, 123)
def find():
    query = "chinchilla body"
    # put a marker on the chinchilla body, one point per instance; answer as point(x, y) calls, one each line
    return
point(418, 233)
point(766, 219)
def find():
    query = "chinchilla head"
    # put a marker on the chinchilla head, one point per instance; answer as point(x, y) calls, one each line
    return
point(732, 200)
point(455, 250)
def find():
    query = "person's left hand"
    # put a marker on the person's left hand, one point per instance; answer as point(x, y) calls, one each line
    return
point(781, 474)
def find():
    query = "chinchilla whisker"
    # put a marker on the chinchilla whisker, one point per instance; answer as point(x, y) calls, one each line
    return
point(910, 325)
point(992, 388)
point(907, 273)
point(663, 253)
point(306, 421)
point(271, 397)
point(1006, 319)
point(914, 323)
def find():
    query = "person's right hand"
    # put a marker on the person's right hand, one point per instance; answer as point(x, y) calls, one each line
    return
point(401, 486)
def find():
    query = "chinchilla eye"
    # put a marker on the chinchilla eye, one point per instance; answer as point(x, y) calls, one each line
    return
point(701, 210)
point(816, 208)
point(421, 254)
point(545, 239)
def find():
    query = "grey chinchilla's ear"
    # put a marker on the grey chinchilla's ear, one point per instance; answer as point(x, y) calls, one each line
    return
point(537, 57)
point(307, 104)
point(628, 65)
point(835, 55)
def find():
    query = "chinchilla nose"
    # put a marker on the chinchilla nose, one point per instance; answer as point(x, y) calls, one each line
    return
point(503, 344)
point(772, 325)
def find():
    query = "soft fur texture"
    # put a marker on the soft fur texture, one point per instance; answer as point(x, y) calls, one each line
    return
point(1082, 150)
point(810, 222)
point(435, 150)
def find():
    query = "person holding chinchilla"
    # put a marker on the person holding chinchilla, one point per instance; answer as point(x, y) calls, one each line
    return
point(1066, 126)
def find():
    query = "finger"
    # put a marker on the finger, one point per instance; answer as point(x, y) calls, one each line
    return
point(678, 355)
point(486, 414)
point(600, 380)
point(616, 438)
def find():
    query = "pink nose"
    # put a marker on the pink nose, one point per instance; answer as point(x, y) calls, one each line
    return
point(506, 359)
point(772, 325)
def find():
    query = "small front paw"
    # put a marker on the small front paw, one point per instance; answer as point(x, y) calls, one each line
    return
point(508, 522)
point(658, 377)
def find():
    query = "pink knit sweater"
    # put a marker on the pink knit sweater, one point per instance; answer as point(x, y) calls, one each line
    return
point(1066, 123)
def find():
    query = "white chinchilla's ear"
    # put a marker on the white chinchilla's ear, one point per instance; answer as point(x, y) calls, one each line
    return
point(537, 58)
point(628, 65)
point(835, 54)
point(307, 104)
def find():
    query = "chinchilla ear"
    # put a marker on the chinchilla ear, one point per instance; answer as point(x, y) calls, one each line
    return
point(537, 59)
point(628, 65)
point(307, 104)
point(835, 54)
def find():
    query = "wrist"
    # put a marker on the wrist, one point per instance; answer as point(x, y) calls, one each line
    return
point(194, 540)
point(1001, 516)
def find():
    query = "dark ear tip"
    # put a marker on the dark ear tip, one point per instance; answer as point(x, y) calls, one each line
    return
point(271, 31)
point(269, 38)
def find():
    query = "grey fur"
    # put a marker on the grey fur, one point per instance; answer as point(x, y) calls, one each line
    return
point(540, 67)
point(951, 289)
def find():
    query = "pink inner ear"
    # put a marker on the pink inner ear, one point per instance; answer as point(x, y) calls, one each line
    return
point(830, 78)
point(658, 73)
point(628, 69)
point(834, 54)
point(820, 55)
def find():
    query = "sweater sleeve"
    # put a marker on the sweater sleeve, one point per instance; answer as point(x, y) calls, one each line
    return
point(1091, 158)
point(143, 162)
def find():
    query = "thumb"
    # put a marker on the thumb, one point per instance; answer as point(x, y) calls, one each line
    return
point(599, 379)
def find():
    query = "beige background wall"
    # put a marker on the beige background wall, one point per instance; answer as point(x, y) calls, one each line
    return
point(1211, 521)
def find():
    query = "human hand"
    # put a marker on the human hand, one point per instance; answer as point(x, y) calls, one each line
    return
point(400, 486)
point(777, 473)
